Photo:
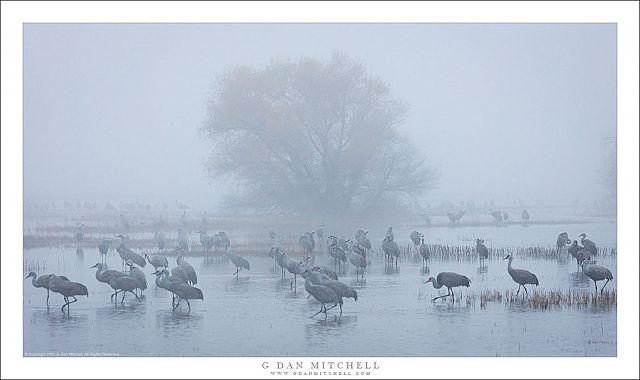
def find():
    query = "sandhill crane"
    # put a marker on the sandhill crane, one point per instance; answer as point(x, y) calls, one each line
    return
point(342, 290)
point(483, 252)
point(103, 248)
point(588, 244)
point(505, 216)
point(525, 215)
point(183, 219)
point(157, 261)
point(165, 281)
point(124, 284)
point(455, 218)
point(182, 240)
point(336, 250)
point(358, 257)
point(42, 282)
point(181, 273)
point(521, 276)
point(192, 277)
point(272, 235)
point(322, 294)
point(320, 235)
point(158, 237)
point(597, 273)
point(562, 241)
point(68, 289)
point(450, 280)
point(240, 263)
point(424, 251)
point(205, 240)
point(79, 234)
point(415, 237)
point(307, 242)
point(139, 275)
point(186, 292)
point(363, 240)
point(574, 248)
point(105, 275)
point(497, 216)
point(579, 253)
point(308, 263)
point(391, 250)
point(280, 257)
point(389, 235)
point(127, 254)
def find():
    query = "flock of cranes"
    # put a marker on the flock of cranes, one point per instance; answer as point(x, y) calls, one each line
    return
point(320, 282)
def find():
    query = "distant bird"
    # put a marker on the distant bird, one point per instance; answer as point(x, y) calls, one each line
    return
point(455, 218)
point(323, 294)
point(280, 257)
point(183, 219)
point(182, 206)
point(525, 215)
point(336, 250)
point(127, 254)
point(521, 276)
point(562, 241)
point(415, 237)
point(483, 252)
point(42, 282)
point(79, 234)
point(391, 250)
point(389, 235)
point(505, 216)
point(424, 251)
point(158, 237)
point(272, 235)
point(61, 285)
point(292, 266)
point(157, 261)
point(182, 240)
point(105, 275)
point(139, 275)
point(205, 241)
point(240, 263)
point(103, 248)
point(588, 244)
point(192, 277)
point(450, 280)
point(307, 242)
point(358, 257)
point(597, 273)
point(342, 290)
point(223, 240)
point(124, 284)
point(497, 216)
point(363, 240)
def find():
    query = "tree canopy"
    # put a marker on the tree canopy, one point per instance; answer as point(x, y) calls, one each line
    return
point(311, 136)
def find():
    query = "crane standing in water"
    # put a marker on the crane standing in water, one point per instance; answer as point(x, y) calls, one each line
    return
point(562, 241)
point(597, 273)
point(67, 288)
point(321, 293)
point(450, 280)
point(240, 263)
point(103, 248)
point(42, 282)
point(483, 252)
point(588, 244)
point(79, 234)
point(521, 276)
point(424, 251)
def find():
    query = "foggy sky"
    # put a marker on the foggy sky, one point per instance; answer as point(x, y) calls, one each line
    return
point(506, 111)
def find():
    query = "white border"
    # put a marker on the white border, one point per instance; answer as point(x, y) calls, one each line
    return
point(623, 13)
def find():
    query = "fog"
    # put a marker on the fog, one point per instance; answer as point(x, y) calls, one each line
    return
point(506, 112)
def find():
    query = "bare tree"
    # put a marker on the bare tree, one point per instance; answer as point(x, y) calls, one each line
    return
point(309, 135)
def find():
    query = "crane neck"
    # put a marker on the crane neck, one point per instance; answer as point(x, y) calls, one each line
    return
point(509, 267)
point(34, 282)
point(436, 284)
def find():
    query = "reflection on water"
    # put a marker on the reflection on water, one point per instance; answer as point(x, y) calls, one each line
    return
point(258, 314)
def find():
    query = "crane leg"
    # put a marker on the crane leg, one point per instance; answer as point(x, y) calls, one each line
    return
point(114, 295)
point(518, 292)
point(139, 300)
point(525, 291)
point(605, 284)
point(178, 304)
point(188, 304)
point(47, 298)
point(453, 296)
point(123, 295)
point(321, 308)
point(66, 302)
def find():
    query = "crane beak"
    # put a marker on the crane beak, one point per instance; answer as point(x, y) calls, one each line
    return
point(95, 266)
point(506, 257)
point(27, 276)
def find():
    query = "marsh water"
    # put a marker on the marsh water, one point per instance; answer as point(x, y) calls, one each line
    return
point(258, 314)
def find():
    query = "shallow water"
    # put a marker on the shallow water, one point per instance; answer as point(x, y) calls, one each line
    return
point(258, 314)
